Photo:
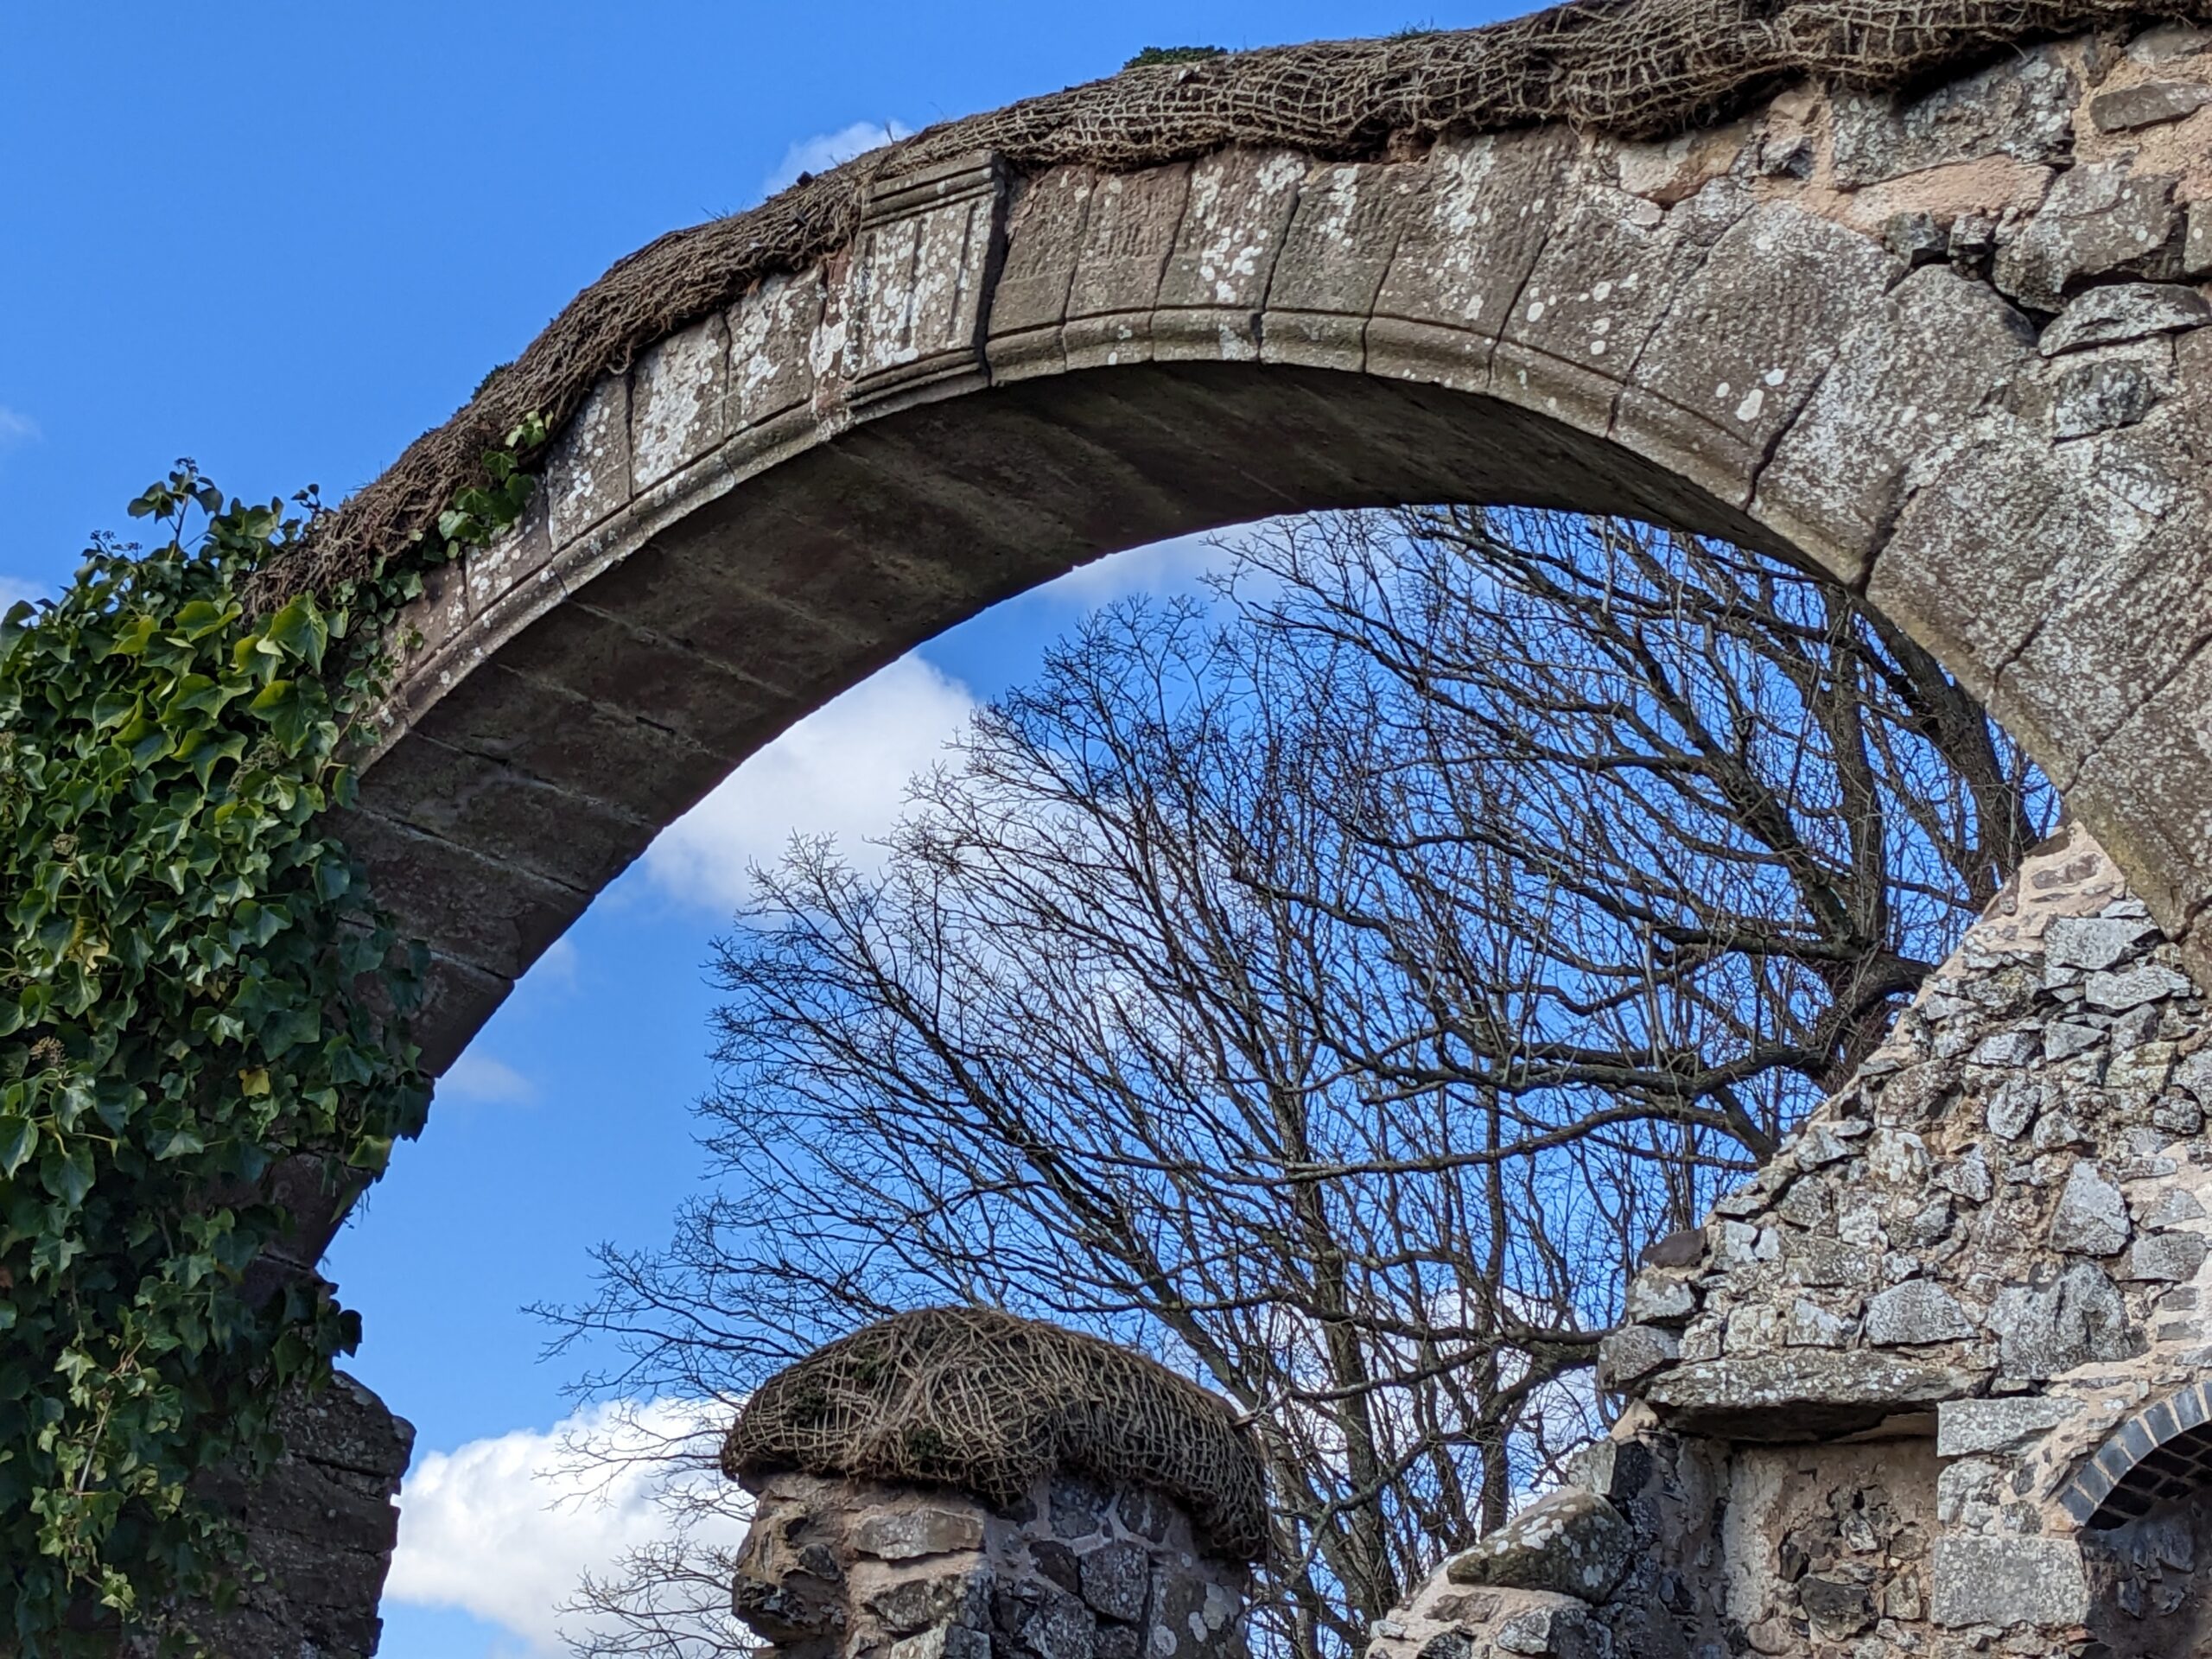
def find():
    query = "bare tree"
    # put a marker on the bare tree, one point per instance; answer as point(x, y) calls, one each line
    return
point(1331, 992)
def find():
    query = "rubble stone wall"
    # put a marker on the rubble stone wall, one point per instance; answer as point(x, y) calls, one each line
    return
point(1935, 1381)
point(836, 1568)
point(318, 1532)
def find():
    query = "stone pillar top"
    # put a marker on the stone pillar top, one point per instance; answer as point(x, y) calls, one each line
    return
point(984, 1402)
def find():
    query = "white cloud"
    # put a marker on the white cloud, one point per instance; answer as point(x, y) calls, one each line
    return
point(488, 1082)
point(561, 963)
point(826, 149)
point(16, 427)
point(505, 1529)
point(841, 772)
point(11, 590)
point(1173, 566)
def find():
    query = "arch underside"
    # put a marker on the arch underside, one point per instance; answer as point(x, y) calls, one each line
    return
point(612, 712)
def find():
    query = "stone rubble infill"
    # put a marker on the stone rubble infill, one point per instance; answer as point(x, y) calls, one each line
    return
point(849, 1569)
point(1936, 1382)
point(2009, 1193)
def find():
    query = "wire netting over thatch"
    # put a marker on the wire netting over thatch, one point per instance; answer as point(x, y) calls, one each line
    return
point(1639, 68)
point(986, 1402)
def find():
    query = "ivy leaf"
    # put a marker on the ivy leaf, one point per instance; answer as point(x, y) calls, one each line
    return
point(299, 631)
point(68, 1173)
point(177, 1143)
point(200, 694)
point(18, 1140)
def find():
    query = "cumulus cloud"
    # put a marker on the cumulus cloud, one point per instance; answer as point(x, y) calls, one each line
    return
point(841, 772)
point(16, 427)
point(506, 1528)
point(1173, 566)
point(826, 149)
point(561, 963)
point(488, 1082)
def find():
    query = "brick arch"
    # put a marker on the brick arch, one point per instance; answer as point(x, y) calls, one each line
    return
point(2160, 1454)
point(1802, 331)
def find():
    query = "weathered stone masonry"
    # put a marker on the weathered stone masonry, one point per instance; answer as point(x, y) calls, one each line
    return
point(1935, 1381)
point(1949, 347)
point(846, 1569)
point(958, 1483)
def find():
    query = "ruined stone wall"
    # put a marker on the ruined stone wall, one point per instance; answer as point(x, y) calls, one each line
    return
point(317, 1533)
point(1934, 1381)
point(837, 1568)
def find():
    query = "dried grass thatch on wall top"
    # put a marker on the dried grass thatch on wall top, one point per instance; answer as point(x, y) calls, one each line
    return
point(1639, 68)
point(986, 1402)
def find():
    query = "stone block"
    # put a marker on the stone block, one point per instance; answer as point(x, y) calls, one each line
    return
point(500, 813)
point(2091, 1219)
point(2008, 1048)
point(1612, 269)
point(905, 1535)
point(1127, 237)
point(2023, 108)
point(1967, 1427)
point(2148, 103)
point(680, 393)
point(1751, 332)
point(1046, 1623)
point(1552, 1630)
point(1043, 239)
point(916, 1604)
point(1818, 1261)
point(1466, 252)
point(492, 916)
point(2116, 992)
point(1656, 1299)
point(1115, 1579)
point(1919, 1311)
point(2101, 396)
point(775, 355)
point(946, 1642)
point(1216, 280)
point(1979, 600)
point(2100, 218)
point(587, 475)
point(2165, 1258)
point(1635, 1351)
point(2096, 943)
point(1078, 1507)
point(1570, 1543)
point(922, 266)
point(1811, 1325)
point(2006, 1581)
point(2119, 312)
point(1343, 236)
point(1802, 1389)
point(2080, 1317)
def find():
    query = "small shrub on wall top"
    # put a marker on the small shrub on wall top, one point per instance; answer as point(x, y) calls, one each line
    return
point(195, 991)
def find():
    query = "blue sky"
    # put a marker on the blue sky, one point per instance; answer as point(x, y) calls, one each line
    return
point(285, 239)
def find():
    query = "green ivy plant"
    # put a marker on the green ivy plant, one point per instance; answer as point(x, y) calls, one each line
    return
point(195, 988)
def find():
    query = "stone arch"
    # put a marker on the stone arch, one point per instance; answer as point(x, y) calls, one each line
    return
point(1949, 346)
point(2160, 1454)
point(1803, 330)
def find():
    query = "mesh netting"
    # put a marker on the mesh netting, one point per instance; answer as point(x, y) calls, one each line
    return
point(1639, 68)
point(986, 1402)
